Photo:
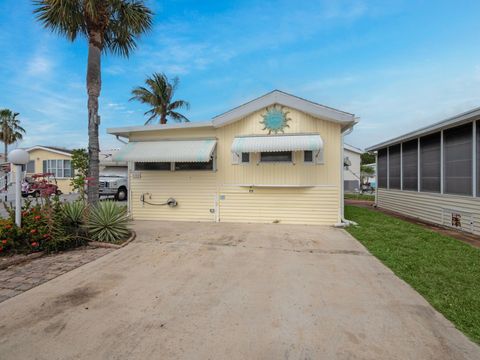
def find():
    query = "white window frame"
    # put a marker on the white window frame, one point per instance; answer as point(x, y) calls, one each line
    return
point(58, 171)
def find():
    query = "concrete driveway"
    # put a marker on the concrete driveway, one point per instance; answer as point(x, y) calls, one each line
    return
point(229, 291)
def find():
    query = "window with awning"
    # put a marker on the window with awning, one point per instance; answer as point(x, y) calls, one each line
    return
point(279, 144)
point(167, 151)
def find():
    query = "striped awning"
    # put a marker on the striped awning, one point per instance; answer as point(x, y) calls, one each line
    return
point(274, 143)
point(167, 151)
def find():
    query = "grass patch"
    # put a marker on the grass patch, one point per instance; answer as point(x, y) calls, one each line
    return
point(360, 197)
point(445, 271)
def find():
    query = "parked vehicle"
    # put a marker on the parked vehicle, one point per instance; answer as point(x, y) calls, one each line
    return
point(114, 185)
point(44, 184)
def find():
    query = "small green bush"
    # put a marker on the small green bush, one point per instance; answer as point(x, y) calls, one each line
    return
point(74, 213)
point(107, 222)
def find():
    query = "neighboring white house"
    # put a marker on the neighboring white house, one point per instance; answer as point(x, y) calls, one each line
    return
point(351, 170)
point(434, 173)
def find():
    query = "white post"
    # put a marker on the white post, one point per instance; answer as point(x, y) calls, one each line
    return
point(18, 157)
point(418, 165)
point(474, 160)
point(401, 166)
point(442, 166)
point(18, 195)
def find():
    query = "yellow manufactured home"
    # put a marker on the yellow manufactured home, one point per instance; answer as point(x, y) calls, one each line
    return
point(276, 159)
point(48, 159)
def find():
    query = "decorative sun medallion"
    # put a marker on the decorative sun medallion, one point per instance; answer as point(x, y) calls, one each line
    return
point(275, 119)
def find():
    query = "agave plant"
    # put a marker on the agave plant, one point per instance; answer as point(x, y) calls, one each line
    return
point(74, 213)
point(107, 222)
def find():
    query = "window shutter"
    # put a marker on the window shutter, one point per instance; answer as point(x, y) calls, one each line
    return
point(45, 169)
point(235, 158)
point(319, 157)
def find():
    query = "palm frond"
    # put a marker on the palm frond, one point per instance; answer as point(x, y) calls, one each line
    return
point(10, 129)
point(129, 19)
point(177, 117)
point(65, 17)
point(121, 22)
point(179, 104)
point(158, 93)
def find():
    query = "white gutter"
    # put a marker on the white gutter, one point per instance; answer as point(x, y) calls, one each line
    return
point(122, 141)
point(343, 222)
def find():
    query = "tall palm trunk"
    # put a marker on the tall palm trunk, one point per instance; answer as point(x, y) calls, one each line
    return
point(94, 84)
point(5, 159)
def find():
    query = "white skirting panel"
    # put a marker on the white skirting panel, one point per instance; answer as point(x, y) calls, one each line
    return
point(461, 212)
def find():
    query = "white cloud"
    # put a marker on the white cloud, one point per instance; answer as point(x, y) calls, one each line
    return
point(39, 65)
point(114, 70)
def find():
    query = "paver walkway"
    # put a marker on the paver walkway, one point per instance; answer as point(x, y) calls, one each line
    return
point(22, 277)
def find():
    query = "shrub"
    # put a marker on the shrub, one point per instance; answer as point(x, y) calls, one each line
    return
point(44, 227)
point(107, 222)
point(8, 236)
point(74, 213)
point(63, 234)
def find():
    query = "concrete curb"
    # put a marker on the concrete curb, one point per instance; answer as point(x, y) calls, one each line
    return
point(113, 246)
point(21, 260)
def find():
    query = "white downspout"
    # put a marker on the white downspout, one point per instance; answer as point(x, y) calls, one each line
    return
point(343, 222)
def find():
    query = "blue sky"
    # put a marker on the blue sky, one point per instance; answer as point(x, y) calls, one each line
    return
point(398, 65)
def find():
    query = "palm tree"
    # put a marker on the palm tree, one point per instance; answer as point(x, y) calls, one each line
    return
point(10, 129)
point(160, 97)
point(109, 26)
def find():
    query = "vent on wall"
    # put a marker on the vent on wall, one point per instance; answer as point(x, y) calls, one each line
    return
point(458, 219)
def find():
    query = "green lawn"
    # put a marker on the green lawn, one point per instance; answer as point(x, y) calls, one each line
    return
point(443, 270)
point(360, 197)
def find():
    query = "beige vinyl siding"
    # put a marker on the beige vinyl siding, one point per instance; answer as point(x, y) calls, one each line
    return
point(431, 206)
point(194, 191)
point(280, 173)
point(305, 193)
point(316, 205)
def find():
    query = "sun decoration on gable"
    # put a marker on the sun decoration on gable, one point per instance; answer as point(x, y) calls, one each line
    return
point(275, 119)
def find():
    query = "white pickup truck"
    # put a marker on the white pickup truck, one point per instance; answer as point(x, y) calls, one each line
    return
point(114, 186)
point(113, 176)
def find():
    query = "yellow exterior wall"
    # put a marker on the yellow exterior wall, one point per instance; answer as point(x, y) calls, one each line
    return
point(194, 191)
point(316, 205)
point(286, 193)
point(39, 155)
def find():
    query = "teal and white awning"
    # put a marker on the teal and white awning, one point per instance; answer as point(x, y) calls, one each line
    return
point(167, 151)
point(274, 143)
